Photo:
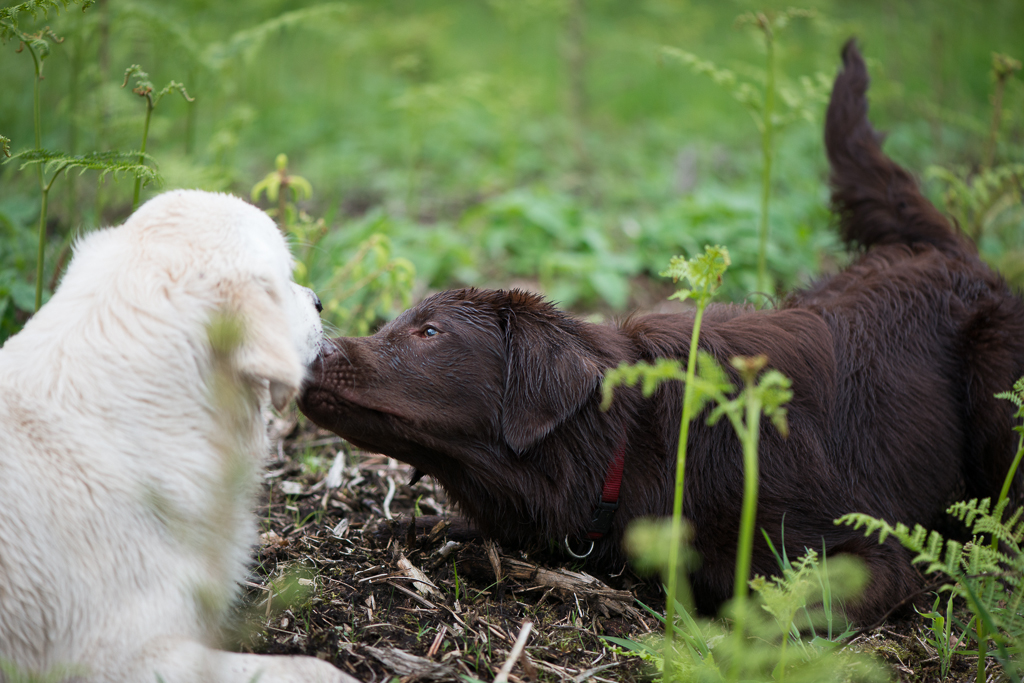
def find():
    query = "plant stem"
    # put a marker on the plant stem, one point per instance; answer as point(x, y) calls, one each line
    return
point(782, 653)
point(282, 203)
point(677, 501)
point(42, 246)
point(767, 139)
point(45, 190)
point(979, 676)
point(190, 118)
point(997, 117)
point(142, 152)
point(750, 434)
point(1005, 491)
point(73, 106)
point(37, 121)
point(37, 118)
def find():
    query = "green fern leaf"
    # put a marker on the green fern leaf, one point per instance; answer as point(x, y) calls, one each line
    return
point(9, 15)
point(114, 163)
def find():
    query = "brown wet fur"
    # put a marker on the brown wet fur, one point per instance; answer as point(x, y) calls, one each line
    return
point(894, 363)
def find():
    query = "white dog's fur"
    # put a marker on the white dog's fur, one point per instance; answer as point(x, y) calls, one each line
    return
point(124, 522)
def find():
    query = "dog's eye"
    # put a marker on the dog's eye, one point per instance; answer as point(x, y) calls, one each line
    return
point(429, 331)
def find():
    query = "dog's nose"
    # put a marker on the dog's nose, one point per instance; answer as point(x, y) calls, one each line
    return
point(316, 300)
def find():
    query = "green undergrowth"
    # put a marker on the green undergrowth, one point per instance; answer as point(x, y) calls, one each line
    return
point(553, 144)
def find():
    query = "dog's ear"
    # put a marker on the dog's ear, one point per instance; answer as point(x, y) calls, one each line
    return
point(549, 374)
point(267, 351)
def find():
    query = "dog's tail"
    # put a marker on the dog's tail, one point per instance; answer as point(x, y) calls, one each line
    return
point(877, 201)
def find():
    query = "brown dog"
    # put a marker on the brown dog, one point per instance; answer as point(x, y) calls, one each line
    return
point(894, 364)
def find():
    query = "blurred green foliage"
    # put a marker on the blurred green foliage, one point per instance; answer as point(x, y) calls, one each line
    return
point(538, 142)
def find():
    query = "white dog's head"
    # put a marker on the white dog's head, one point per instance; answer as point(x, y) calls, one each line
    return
point(182, 257)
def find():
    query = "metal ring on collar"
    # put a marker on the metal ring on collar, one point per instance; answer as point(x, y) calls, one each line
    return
point(568, 549)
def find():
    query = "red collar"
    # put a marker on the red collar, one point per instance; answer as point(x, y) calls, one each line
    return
point(601, 520)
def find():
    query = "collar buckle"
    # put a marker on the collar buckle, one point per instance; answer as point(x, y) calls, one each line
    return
point(601, 520)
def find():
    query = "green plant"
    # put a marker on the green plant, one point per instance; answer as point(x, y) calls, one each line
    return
point(276, 185)
point(779, 642)
point(1016, 397)
point(704, 275)
point(986, 200)
point(801, 103)
point(313, 463)
point(52, 164)
point(551, 236)
point(784, 596)
point(14, 674)
point(38, 47)
point(979, 200)
point(357, 288)
point(1003, 67)
point(941, 627)
point(144, 89)
point(988, 579)
point(766, 640)
point(368, 286)
point(455, 572)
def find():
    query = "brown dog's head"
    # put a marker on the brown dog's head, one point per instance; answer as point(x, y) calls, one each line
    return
point(464, 372)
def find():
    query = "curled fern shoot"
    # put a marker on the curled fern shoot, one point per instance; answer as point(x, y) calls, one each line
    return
point(144, 89)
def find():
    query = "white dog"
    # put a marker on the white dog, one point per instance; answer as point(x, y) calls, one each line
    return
point(126, 485)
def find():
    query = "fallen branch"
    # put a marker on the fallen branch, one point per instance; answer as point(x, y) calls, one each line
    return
point(405, 664)
point(562, 581)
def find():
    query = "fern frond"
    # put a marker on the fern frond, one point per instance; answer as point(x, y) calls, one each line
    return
point(650, 376)
point(115, 163)
point(966, 511)
point(870, 524)
point(1015, 396)
point(248, 42)
point(931, 548)
point(954, 552)
point(9, 15)
point(155, 21)
point(973, 196)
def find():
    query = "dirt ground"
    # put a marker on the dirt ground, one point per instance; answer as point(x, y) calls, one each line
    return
point(341, 574)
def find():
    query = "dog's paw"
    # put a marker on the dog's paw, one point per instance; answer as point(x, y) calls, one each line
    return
point(298, 669)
